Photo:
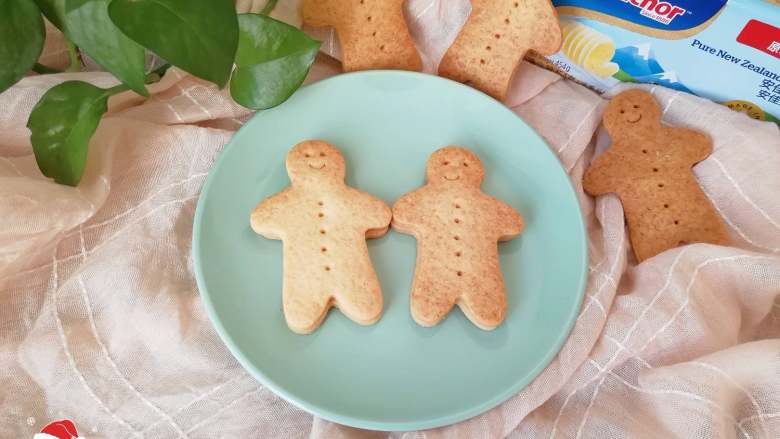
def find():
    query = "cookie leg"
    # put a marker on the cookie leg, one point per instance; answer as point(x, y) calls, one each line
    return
point(304, 311)
point(712, 230)
point(363, 304)
point(319, 13)
point(431, 301)
point(485, 307)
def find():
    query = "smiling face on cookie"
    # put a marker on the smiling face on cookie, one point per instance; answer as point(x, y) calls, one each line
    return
point(454, 165)
point(315, 160)
point(634, 108)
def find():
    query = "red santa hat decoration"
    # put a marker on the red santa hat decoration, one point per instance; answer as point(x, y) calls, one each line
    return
point(63, 429)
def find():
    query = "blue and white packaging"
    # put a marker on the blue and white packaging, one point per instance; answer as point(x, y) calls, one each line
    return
point(726, 51)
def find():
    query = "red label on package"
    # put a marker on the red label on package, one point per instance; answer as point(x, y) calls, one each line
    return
point(761, 36)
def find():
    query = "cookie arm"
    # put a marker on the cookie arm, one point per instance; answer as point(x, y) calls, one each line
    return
point(509, 222)
point(378, 216)
point(700, 143)
point(406, 212)
point(598, 179)
point(547, 33)
point(268, 218)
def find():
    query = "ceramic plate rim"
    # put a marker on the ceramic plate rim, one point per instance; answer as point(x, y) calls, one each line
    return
point(323, 412)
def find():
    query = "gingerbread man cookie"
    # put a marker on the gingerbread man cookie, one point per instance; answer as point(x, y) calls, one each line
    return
point(457, 227)
point(648, 165)
point(494, 40)
point(372, 33)
point(323, 225)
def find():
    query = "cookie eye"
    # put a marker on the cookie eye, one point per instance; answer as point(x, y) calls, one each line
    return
point(307, 155)
point(445, 163)
point(622, 111)
point(322, 154)
point(636, 107)
point(465, 165)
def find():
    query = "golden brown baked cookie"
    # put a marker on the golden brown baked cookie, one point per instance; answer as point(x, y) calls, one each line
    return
point(323, 225)
point(648, 165)
point(457, 227)
point(372, 33)
point(494, 40)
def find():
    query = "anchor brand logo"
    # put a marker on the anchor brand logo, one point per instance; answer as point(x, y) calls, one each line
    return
point(660, 11)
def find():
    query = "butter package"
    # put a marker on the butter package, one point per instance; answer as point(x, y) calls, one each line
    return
point(726, 51)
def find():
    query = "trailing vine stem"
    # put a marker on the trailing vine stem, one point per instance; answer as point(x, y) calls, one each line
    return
point(75, 58)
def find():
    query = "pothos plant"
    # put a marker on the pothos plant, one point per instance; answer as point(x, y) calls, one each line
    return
point(263, 60)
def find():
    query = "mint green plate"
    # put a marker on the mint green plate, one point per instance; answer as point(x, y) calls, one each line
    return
point(394, 375)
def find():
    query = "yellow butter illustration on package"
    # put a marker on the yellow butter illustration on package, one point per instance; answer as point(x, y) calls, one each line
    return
point(589, 48)
point(724, 50)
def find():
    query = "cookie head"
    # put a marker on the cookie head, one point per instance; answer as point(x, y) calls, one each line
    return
point(315, 160)
point(633, 108)
point(454, 165)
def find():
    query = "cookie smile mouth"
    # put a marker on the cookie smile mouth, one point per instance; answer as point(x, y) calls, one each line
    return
point(630, 120)
point(317, 167)
point(457, 177)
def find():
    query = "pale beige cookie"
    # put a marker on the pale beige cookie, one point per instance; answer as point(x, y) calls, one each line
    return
point(323, 225)
point(494, 40)
point(457, 227)
point(648, 166)
point(372, 33)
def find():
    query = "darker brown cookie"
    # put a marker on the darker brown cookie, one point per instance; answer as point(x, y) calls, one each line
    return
point(648, 166)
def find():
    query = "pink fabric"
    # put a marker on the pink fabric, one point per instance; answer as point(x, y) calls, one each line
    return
point(101, 323)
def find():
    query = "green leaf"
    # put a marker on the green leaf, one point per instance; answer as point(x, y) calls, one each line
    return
point(54, 10)
point(62, 123)
point(200, 36)
point(21, 39)
point(272, 61)
point(90, 27)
